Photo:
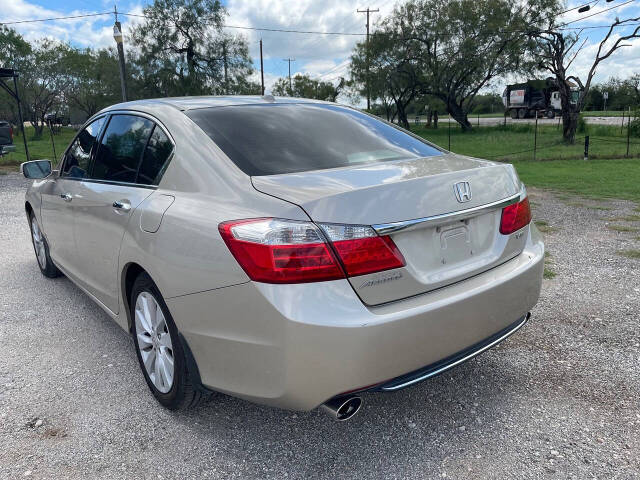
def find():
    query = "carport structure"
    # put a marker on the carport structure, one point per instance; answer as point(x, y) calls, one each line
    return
point(9, 73)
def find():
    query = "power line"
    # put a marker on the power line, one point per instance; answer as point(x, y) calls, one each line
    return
point(598, 13)
point(57, 18)
point(561, 26)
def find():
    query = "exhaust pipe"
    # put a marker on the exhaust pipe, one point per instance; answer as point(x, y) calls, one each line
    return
point(343, 408)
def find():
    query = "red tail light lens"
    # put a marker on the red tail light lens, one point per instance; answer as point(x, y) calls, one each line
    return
point(361, 250)
point(285, 251)
point(280, 251)
point(515, 216)
point(11, 133)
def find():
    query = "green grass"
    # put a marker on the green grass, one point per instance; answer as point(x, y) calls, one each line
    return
point(632, 253)
point(548, 273)
point(624, 218)
point(622, 228)
point(603, 113)
point(598, 207)
point(592, 179)
point(515, 142)
point(38, 148)
point(544, 226)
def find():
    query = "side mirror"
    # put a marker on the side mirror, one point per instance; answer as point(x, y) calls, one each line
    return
point(36, 169)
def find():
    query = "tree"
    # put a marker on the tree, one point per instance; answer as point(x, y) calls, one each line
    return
point(391, 67)
point(94, 81)
point(13, 51)
point(449, 50)
point(44, 80)
point(303, 86)
point(556, 53)
point(183, 51)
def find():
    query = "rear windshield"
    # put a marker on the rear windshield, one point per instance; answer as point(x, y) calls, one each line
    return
point(286, 138)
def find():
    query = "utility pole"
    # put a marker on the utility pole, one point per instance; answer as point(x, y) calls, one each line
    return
point(261, 68)
point(368, 11)
point(224, 59)
point(117, 36)
point(289, 60)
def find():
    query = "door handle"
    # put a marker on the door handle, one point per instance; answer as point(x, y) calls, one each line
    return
point(122, 205)
point(67, 197)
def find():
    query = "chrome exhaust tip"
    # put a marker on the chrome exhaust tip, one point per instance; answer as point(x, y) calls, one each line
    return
point(343, 408)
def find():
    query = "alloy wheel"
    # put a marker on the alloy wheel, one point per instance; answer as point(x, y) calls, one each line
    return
point(154, 342)
point(38, 243)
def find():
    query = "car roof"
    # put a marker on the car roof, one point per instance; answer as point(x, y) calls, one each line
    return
point(192, 103)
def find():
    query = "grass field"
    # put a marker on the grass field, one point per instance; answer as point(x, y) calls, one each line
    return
point(593, 179)
point(516, 142)
point(38, 148)
point(603, 176)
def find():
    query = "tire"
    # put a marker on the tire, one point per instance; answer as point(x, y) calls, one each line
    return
point(41, 249)
point(180, 392)
point(513, 113)
point(551, 114)
point(522, 113)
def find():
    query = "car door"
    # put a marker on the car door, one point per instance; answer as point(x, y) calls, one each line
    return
point(105, 203)
point(57, 197)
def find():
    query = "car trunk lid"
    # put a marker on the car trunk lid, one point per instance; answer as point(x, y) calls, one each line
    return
point(451, 246)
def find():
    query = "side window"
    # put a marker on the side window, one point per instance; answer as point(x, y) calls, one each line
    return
point(156, 158)
point(76, 161)
point(120, 151)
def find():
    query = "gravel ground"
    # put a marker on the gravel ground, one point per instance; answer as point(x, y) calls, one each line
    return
point(560, 399)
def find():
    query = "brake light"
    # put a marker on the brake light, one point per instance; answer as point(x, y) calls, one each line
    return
point(515, 216)
point(287, 251)
point(11, 133)
point(361, 250)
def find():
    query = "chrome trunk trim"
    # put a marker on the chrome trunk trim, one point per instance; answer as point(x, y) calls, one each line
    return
point(388, 228)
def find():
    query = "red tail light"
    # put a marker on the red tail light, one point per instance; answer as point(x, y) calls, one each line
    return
point(286, 251)
point(11, 133)
point(515, 216)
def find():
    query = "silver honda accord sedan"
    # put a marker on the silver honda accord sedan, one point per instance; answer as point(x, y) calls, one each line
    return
point(285, 251)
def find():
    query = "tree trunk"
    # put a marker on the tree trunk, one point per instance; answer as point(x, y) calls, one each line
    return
point(569, 126)
point(570, 113)
point(402, 116)
point(459, 115)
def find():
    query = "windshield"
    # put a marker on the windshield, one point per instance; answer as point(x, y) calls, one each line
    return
point(286, 138)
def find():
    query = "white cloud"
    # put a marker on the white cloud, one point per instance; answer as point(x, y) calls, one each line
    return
point(321, 56)
point(312, 52)
point(94, 31)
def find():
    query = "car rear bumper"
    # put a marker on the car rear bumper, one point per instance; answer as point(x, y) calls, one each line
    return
point(296, 346)
point(4, 149)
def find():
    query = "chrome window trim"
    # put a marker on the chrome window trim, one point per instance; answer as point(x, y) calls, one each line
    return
point(388, 228)
point(111, 182)
point(108, 114)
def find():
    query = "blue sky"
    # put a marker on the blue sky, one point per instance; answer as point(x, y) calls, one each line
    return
point(319, 55)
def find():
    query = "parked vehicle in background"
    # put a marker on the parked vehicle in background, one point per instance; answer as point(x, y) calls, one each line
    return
point(6, 138)
point(286, 251)
point(534, 97)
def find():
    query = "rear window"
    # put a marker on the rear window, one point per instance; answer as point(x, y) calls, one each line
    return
point(275, 139)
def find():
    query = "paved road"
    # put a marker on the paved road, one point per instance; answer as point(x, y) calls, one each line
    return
point(541, 121)
point(557, 400)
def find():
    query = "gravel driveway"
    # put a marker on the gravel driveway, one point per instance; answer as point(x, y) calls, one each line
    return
point(560, 399)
